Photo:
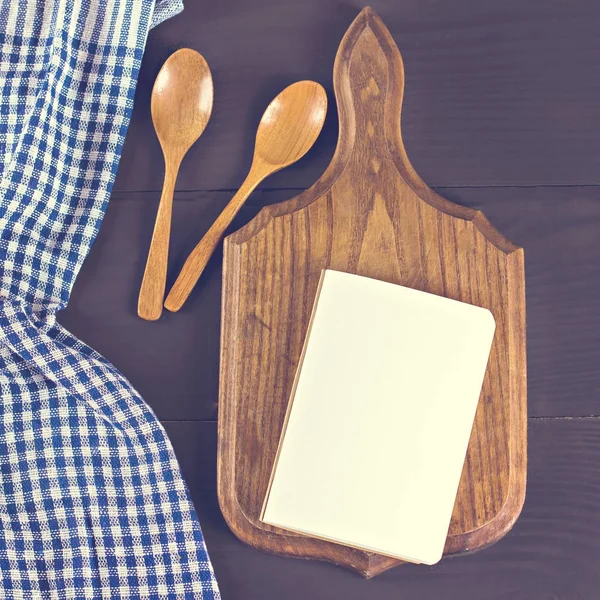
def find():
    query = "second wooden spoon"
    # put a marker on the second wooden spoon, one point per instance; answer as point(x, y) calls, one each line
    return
point(286, 132)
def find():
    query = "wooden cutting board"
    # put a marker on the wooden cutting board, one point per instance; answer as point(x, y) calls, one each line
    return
point(369, 214)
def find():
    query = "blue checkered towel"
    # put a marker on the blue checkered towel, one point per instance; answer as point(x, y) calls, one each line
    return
point(92, 501)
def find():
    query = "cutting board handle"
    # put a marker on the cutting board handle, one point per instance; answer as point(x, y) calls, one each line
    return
point(368, 79)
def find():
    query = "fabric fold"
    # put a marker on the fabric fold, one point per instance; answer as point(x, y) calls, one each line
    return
point(92, 500)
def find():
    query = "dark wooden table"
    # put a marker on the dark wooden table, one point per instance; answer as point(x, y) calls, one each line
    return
point(501, 112)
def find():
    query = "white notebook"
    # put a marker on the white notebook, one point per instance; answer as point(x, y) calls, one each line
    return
point(380, 417)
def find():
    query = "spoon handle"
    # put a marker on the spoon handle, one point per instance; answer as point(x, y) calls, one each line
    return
point(200, 255)
point(152, 290)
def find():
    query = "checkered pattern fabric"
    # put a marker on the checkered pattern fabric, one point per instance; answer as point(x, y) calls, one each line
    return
point(92, 501)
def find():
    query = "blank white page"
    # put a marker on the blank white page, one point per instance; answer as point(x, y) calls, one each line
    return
point(380, 417)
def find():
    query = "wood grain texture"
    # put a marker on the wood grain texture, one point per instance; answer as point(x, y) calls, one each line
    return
point(287, 131)
point(372, 215)
point(552, 553)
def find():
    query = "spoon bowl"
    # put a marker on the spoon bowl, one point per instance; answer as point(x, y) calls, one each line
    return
point(182, 100)
point(291, 124)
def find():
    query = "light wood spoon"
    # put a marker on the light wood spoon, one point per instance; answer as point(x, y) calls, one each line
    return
point(182, 100)
point(286, 132)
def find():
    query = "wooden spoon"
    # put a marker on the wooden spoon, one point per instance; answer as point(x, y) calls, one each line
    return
point(286, 132)
point(182, 100)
